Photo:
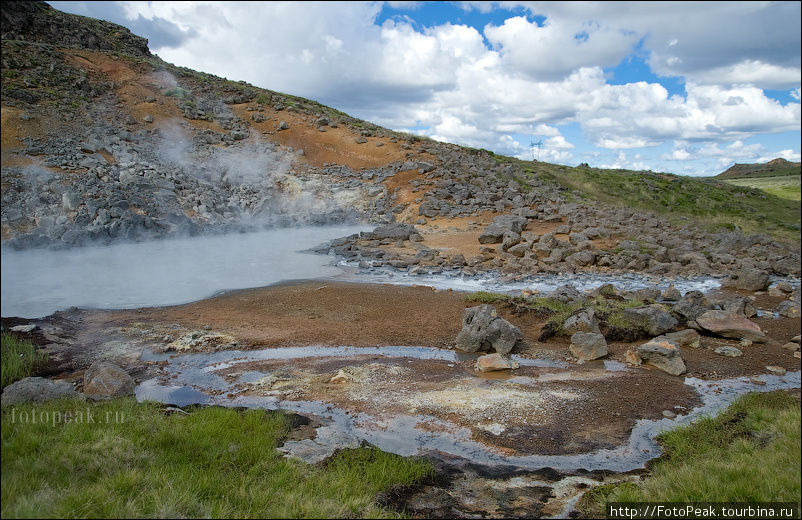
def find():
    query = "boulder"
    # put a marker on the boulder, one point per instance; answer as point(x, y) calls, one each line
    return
point(583, 321)
point(588, 345)
point(672, 294)
point(684, 338)
point(727, 324)
point(739, 305)
point(663, 354)
point(748, 279)
point(581, 258)
point(483, 329)
point(494, 362)
point(104, 380)
point(36, 390)
point(789, 309)
point(494, 233)
point(654, 319)
point(692, 305)
point(395, 231)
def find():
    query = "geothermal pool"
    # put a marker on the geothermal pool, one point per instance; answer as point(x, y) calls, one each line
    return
point(38, 282)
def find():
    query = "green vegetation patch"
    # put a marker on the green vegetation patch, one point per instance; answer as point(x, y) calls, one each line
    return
point(787, 187)
point(19, 358)
point(712, 203)
point(750, 453)
point(133, 460)
point(606, 310)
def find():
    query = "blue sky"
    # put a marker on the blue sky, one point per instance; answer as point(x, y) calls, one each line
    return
point(688, 88)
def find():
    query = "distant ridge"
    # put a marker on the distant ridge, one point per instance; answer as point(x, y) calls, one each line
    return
point(774, 168)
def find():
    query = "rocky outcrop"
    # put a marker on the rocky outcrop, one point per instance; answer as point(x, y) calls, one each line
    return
point(483, 329)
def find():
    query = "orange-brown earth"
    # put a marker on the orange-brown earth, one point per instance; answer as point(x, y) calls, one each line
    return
point(568, 409)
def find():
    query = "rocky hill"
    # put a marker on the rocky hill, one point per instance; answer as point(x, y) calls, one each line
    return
point(775, 168)
point(102, 141)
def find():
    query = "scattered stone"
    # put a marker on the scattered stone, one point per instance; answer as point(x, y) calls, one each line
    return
point(729, 325)
point(632, 357)
point(104, 380)
point(586, 346)
point(791, 346)
point(776, 370)
point(746, 343)
point(668, 414)
point(494, 233)
point(494, 362)
point(483, 329)
point(663, 354)
point(283, 125)
point(789, 309)
point(36, 390)
point(671, 294)
point(757, 380)
point(796, 354)
point(728, 351)
point(360, 140)
point(797, 339)
point(148, 118)
point(684, 338)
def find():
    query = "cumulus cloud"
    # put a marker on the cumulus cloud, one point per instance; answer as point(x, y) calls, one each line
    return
point(487, 87)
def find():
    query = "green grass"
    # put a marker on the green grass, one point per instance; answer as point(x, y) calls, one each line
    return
point(214, 462)
point(750, 453)
point(710, 202)
point(787, 187)
point(19, 358)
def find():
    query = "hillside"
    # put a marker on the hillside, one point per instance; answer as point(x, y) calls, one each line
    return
point(103, 141)
point(775, 168)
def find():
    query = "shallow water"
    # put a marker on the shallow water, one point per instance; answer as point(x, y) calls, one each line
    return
point(36, 283)
point(403, 434)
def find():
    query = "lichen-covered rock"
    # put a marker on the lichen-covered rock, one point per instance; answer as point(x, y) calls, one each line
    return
point(663, 354)
point(483, 329)
point(748, 280)
point(684, 338)
point(692, 305)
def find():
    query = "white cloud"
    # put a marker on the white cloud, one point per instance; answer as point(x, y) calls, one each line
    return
point(530, 82)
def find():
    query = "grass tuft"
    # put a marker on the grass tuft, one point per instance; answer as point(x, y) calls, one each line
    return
point(19, 358)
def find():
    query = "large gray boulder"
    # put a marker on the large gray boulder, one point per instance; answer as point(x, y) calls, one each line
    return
point(728, 324)
point(748, 279)
point(692, 305)
point(394, 231)
point(494, 233)
point(483, 329)
point(588, 345)
point(653, 318)
point(104, 380)
point(36, 390)
point(789, 309)
point(663, 354)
